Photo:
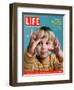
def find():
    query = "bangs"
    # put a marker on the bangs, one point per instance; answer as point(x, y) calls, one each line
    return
point(41, 34)
point(51, 36)
point(46, 34)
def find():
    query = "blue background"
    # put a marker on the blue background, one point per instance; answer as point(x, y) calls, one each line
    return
point(55, 22)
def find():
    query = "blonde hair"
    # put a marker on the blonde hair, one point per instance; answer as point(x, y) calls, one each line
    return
point(43, 34)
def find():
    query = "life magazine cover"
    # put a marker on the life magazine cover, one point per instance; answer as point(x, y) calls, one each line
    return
point(42, 43)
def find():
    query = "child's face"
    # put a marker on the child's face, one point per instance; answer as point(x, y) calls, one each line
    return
point(44, 47)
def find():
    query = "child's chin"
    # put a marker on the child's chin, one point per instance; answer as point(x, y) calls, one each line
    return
point(44, 56)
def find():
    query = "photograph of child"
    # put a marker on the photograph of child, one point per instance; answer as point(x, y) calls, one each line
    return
point(44, 51)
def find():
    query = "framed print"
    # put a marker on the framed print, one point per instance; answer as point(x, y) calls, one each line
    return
point(40, 44)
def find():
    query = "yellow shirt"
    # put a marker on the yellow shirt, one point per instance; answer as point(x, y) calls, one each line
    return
point(33, 64)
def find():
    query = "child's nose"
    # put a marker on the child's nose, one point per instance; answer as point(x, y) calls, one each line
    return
point(43, 46)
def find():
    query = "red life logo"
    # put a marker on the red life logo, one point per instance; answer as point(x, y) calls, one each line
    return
point(32, 21)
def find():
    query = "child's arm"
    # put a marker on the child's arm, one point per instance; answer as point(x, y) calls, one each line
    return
point(29, 57)
point(56, 64)
point(32, 45)
point(28, 62)
point(58, 50)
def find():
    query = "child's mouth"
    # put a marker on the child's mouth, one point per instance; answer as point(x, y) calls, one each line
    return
point(43, 52)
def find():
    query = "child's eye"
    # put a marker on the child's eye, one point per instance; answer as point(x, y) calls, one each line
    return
point(47, 43)
point(39, 43)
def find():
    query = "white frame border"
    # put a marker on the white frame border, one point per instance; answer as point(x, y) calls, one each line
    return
point(37, 78)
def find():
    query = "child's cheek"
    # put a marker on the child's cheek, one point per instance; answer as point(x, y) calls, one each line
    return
point(51, 46)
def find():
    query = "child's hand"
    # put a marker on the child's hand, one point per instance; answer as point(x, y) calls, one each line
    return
point(33, 43)
point(57, 48)
point(56, 45)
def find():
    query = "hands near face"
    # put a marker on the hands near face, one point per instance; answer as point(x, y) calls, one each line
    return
point(57, 48)
point(35, 40)
point(33, 43)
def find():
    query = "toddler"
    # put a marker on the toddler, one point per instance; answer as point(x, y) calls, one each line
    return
point(44, 52)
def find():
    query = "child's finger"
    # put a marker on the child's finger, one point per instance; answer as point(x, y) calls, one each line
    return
point(57, 43)
point(35, 44)
point(38, 41)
